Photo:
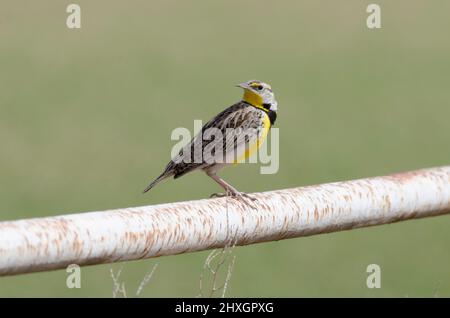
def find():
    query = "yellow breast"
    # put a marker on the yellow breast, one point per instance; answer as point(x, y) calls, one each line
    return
point(255, 144)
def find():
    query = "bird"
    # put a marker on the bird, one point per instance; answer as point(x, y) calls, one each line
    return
point(238, 131)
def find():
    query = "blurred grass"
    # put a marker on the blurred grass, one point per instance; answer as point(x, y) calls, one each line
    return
point(86, 117)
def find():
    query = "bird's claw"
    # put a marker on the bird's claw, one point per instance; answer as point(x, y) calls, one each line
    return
point(218, 195)
point(248, 196)
point(240, 196)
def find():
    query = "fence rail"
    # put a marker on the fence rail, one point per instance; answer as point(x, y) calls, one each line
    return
point(50, 243)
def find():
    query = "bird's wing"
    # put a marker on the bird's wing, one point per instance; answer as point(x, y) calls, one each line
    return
point(224, 139)
point(240, 131)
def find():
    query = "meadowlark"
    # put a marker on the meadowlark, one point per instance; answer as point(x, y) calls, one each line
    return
point(241, 128)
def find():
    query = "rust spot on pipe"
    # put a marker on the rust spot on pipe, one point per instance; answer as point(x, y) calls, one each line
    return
point(402, 176)
point(316, 214)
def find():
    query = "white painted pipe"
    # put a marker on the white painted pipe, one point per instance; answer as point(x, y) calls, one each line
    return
point(134, 233)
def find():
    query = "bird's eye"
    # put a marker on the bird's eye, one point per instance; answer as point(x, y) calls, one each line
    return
point(259, 87)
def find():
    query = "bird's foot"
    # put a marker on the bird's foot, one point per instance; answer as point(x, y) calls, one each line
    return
point(240, 196)
point(245, 198)
point(248, 196)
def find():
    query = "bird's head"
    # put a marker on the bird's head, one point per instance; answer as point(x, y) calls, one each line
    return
point(259, 94)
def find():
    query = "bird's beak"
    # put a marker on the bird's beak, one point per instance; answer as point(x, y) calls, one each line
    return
point(243, 85)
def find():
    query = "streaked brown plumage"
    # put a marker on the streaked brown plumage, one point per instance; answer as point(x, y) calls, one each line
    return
point(243, 128)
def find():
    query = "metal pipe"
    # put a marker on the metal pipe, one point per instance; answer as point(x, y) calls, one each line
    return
point(50, 243)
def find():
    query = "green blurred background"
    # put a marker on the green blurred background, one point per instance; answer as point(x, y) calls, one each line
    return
point(86, 117)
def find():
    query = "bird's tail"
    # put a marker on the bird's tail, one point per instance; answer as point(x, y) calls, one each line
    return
point(156, 181)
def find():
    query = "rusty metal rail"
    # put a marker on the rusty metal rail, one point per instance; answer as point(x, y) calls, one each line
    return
point(134, 233)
